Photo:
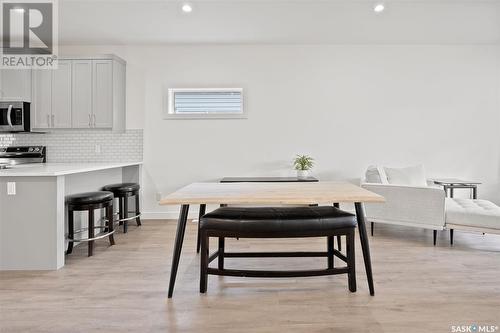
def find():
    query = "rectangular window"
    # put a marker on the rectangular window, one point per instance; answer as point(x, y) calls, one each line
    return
point(205, 103)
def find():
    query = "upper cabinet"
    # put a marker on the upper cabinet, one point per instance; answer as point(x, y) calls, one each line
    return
point(15, 85)
point(85, 92)
point(102, 76)
point(82, 94)
point(61, 114)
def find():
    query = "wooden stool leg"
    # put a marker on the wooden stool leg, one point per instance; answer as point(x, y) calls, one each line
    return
point(329, 241)
point(71, 228)
point(204, 262)
point(221, 252)
point(109, 216)
point(137, 210)
point(351, 261)
point(125, 214)
point(91, 232)
point(120, 210)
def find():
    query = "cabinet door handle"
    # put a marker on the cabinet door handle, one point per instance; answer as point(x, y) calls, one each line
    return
point(90, 121)
point(48, 120)
point(53, 117)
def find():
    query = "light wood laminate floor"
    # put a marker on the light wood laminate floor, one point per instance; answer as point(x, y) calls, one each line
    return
point(419, 288)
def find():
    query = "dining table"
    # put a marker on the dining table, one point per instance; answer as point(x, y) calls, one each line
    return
point(271, 194)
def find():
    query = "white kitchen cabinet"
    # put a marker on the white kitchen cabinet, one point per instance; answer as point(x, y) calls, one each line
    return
point(41, 106)
point(85, 92)
point(61, 95)
point(15, 85)
point(51, 105)
point(102, 93)
point(82, 94)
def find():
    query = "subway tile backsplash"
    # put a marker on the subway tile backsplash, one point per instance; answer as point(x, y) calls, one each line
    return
point(83, 145)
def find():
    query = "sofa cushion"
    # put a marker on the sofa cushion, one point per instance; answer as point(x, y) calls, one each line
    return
point(472, 213)
point(411, 176)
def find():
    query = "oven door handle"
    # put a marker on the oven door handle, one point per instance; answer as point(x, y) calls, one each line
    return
point(9, 112)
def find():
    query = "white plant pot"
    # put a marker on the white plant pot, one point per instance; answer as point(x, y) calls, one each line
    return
point(302, 173)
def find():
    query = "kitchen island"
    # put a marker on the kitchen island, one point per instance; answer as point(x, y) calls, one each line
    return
point(32, 208)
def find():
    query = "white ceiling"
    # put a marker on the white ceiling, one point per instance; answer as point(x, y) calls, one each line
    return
point(279, 21)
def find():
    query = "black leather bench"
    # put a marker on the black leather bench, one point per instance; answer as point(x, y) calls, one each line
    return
point(279, 222)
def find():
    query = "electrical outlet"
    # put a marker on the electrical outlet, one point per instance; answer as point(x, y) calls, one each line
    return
point(158, 196)
point(11, 188)
point(97, 149)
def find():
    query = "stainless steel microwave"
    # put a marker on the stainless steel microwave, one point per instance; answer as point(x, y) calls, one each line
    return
point(15, 116)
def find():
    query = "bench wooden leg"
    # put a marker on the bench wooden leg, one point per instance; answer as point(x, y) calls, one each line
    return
point(329, 241)
point(339, 238)
point(204, 262)
point(351, 262)
point(434, 234)
point(221, 252)
point(451, 236)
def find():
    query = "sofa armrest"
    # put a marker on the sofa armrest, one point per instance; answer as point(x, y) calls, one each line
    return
point(409, 205)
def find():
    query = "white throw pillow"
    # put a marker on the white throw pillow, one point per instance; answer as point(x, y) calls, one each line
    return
point(375, 174)
point(412, 176)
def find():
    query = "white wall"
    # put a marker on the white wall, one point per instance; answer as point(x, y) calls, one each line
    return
point(348, 106)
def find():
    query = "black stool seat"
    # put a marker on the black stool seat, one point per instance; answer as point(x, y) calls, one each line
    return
point(88, 198)
point(278, 222)
point(123, 187)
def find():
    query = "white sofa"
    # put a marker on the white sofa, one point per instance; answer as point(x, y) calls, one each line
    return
point(414, 206)
point(427, 207)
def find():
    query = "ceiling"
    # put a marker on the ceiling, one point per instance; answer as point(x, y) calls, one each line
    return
point(279, 21)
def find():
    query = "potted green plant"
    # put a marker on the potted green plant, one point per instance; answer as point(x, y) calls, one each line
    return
point(303, 163)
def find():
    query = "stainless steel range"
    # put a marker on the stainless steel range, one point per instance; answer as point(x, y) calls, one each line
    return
point(10, 156)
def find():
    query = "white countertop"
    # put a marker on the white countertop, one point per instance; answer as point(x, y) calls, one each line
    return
point(60, 169)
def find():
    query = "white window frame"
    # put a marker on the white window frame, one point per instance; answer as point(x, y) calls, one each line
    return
point(170, 112)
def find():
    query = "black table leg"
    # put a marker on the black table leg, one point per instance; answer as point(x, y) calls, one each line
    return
point(179, 238)
point(360, 215)
point(200, 215)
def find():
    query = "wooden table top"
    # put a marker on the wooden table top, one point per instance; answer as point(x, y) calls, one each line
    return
point(270, 193)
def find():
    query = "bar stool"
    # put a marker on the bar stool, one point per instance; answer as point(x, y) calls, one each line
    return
point(90, 201)
point(122, 192)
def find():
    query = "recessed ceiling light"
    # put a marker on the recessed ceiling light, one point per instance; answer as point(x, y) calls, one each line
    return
point(187, 8)
point(379, 8)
